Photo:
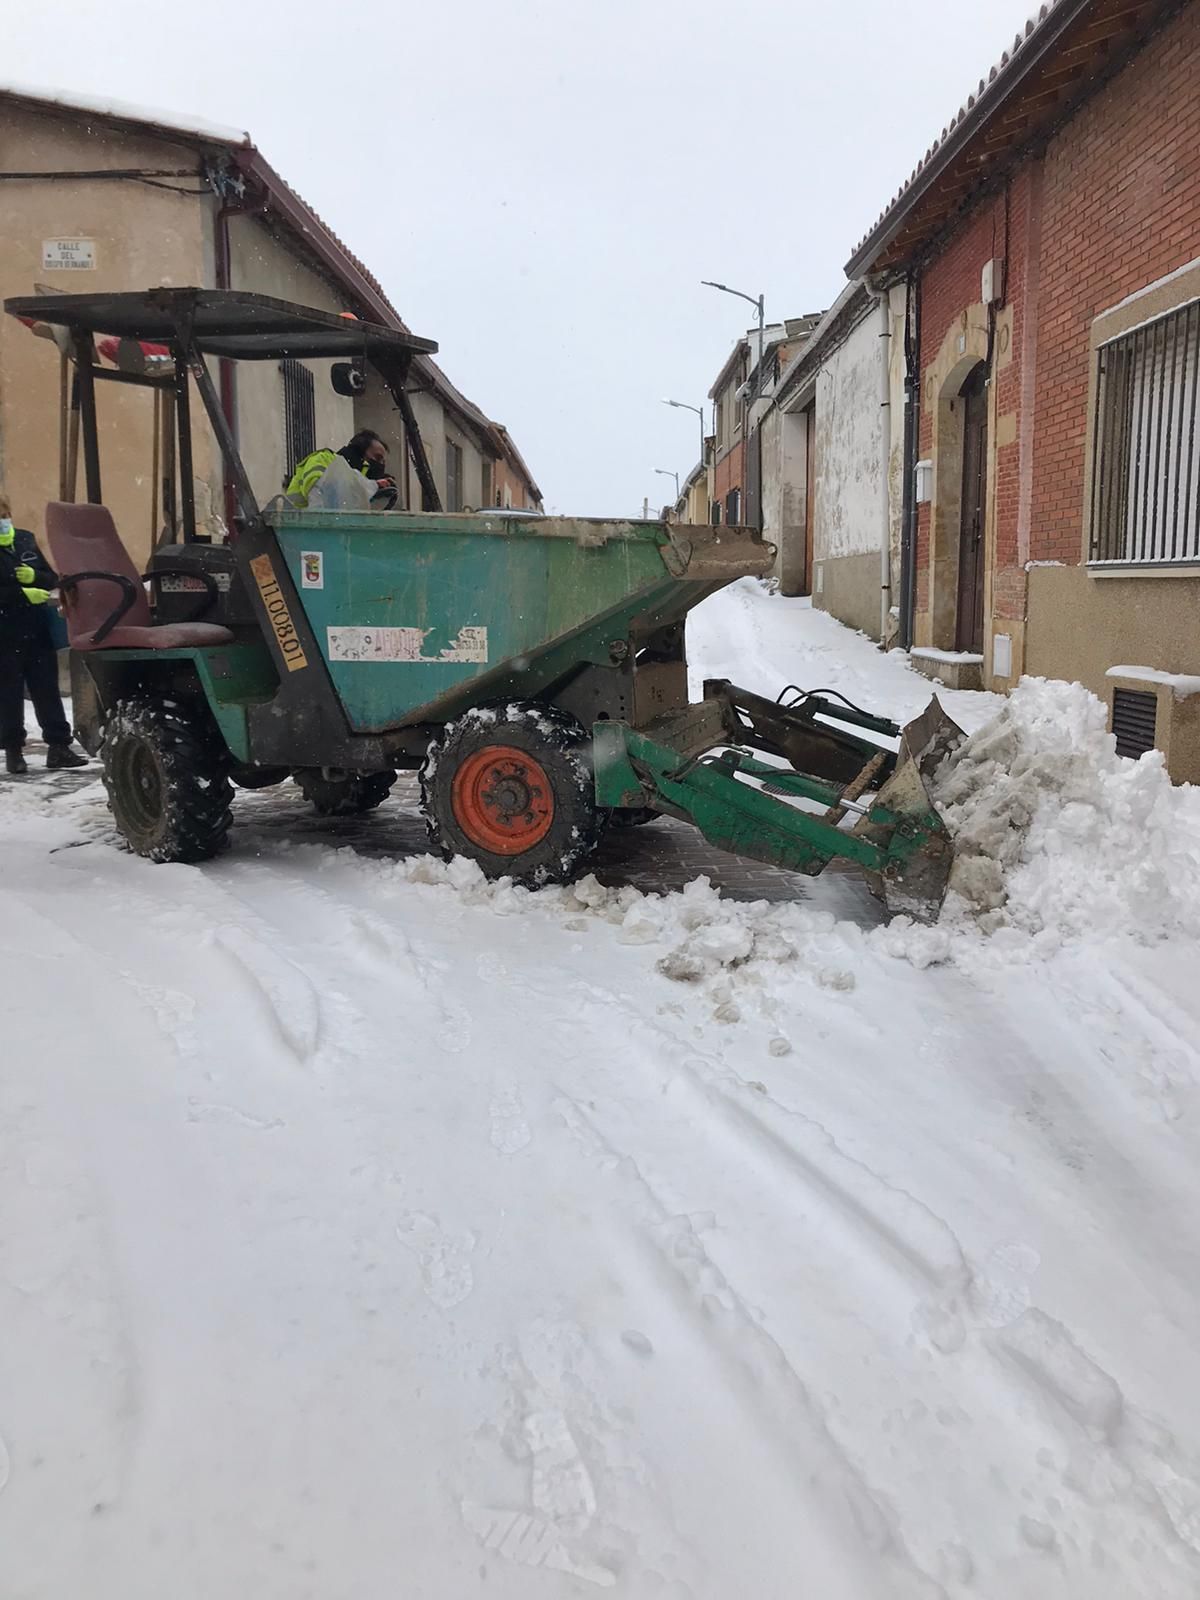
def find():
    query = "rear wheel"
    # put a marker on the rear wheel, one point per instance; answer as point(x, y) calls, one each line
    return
point(166, 782)
point(344, 794)
point(512, 788)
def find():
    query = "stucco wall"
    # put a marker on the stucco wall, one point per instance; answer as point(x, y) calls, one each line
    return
point(143, 236)
point(472, 487)
point(261, 263)
point(376, 409)
point(146, 236)
point(1079, 626)
point(849, 590)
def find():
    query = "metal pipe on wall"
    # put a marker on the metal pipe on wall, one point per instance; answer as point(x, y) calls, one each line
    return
point(884, 298)
point(912, 411)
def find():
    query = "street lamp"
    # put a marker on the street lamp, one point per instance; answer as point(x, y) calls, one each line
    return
point(665, 472)
point(756, 301)
point(682, 405)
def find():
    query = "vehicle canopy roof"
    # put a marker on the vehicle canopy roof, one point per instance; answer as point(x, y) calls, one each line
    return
point(222, 322)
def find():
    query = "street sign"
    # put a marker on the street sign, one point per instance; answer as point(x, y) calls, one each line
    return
point(68, 255)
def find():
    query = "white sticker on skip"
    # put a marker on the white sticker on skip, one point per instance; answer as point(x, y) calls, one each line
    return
point(405, 644)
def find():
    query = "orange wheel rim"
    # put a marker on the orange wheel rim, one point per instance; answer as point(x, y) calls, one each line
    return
point(502, 800)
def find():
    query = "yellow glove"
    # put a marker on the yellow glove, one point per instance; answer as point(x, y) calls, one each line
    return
point(36, 597)
point(25, 573)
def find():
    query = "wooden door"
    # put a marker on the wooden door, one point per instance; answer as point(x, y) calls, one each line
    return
point(972, 541)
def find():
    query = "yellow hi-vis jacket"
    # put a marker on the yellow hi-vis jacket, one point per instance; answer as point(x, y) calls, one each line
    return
point(308, 474)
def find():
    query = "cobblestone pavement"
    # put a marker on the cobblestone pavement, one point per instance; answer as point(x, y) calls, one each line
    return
point(658, 858)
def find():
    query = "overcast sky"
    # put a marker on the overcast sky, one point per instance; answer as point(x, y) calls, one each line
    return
point(541, 186)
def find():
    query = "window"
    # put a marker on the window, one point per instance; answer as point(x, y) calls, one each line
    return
point(454, 476)
point(299, 414)
point(1145, 454)
point(715, 513)
point(733, 507)
point(721, 423)
point(485, 483)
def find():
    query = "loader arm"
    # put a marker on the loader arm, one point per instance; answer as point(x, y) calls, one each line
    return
point(699, 769)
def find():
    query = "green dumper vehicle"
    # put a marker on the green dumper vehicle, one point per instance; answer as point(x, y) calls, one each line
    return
point(533, 670)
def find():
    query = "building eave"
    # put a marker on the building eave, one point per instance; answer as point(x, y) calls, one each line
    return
point(741, 348)
point(279, 204)
point(845, 310)
point(1062, 58)
point(515, 459)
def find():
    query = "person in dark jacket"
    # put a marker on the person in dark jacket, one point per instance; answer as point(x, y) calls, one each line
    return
point(27, 656)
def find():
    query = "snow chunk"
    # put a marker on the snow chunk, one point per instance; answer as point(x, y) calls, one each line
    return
point(1057, 836)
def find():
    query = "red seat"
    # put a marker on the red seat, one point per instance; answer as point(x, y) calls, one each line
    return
point(96, 577)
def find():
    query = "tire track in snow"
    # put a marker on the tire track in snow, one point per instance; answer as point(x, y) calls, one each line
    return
point(282, 993)
point(362, 946)
point(520, 1534)
point(983, 1314)
point(908, 1234)
point(785, 1410)
point(917, 1243)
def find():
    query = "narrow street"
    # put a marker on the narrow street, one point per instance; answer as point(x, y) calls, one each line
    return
point(371, 1229)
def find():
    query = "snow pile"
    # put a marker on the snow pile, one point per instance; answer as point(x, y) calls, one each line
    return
point(1058, 839)
point(728, 953)
point(1057, 836)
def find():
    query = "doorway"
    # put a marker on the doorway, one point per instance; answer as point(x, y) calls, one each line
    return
point(972, 542)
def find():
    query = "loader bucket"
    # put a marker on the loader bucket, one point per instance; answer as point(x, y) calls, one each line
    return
point(920, 850)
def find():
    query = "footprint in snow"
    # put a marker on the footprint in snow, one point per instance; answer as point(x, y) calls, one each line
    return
point(510, 1131)
point(1001, 1291)
point(454, 1034)
point(445, 1258)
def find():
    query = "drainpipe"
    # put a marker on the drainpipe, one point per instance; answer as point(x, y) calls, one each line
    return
point(883, 296)
point(912, 398)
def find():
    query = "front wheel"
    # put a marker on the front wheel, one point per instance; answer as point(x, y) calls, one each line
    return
point(512, 787)
point(166, 782)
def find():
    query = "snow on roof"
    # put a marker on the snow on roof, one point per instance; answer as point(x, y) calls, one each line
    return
point(356, 277)
point(125, 111)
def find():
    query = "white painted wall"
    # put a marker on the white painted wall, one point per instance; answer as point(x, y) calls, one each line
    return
point(849, 446)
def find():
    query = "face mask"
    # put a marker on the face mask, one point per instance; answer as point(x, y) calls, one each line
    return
point(6, 530)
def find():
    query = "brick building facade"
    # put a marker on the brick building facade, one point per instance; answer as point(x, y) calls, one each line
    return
point(1051, 247)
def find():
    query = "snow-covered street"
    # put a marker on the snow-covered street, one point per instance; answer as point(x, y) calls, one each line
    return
point(370, 1230)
